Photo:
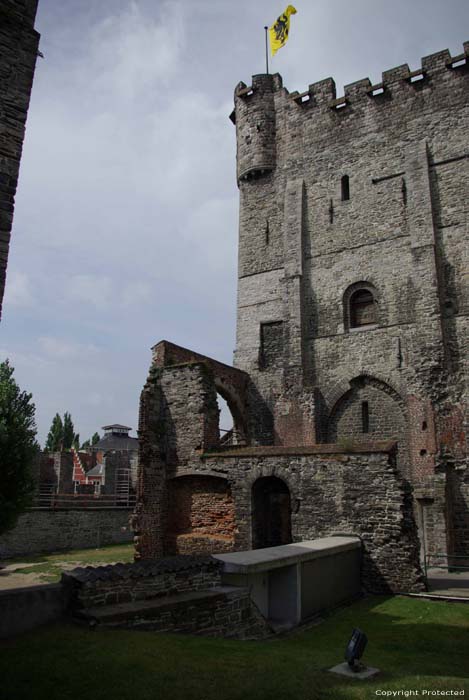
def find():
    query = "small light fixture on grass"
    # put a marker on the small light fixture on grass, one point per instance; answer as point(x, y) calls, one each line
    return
point(355, 649)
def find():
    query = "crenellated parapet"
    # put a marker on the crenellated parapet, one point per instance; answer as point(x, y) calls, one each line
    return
point(261, 106)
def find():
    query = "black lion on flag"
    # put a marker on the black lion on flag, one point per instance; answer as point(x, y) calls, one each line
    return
point(281, 28)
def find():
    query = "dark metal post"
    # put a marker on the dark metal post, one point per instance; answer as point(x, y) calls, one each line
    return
point(266, 51)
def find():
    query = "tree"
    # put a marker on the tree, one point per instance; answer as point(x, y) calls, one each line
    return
point(18, 448)
point(95, 439)
point(68, 431)
point(76, 441)
point(54, 442)
point(86, 445)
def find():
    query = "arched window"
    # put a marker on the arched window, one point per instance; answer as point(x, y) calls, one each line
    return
point(360, 304)
point(362, 309)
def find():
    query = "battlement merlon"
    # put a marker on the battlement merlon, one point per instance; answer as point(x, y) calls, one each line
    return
point(255, 106)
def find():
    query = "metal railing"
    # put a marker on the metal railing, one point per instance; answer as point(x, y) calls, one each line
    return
point(52, 501)
point(448, 566)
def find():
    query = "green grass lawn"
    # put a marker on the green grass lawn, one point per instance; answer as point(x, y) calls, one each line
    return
point(417, 644)
point(50, 566)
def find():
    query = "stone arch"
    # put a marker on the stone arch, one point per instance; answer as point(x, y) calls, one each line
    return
point(200, 515)
point(271, 512)
point(370, 410)
point(237, 409)
point(333, 395)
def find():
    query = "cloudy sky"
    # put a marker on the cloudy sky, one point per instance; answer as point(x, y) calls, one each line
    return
point(125, 228)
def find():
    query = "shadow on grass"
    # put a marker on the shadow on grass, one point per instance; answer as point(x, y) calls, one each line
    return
point(417, 644)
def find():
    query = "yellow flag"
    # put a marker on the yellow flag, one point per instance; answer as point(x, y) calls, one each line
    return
point(280, 29)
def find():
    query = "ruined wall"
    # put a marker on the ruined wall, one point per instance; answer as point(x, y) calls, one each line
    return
point(18, 50)
point(178, 420)
point(201, 515)
point(333, 492)
point(205, 502)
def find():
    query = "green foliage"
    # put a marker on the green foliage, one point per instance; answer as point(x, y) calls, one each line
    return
point(18, 448)
point(54, 440)
point(68, 431)
point(62, 434)
point(92, 441)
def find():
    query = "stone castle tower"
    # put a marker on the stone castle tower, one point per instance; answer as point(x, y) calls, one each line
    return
point(349, 385)
point(18, 51)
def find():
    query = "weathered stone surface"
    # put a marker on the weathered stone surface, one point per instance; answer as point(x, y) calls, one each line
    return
point(366, 193)
point(18, 51)
point(44, 530)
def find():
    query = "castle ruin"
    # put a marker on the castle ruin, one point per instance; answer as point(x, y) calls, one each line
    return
point(349, 387)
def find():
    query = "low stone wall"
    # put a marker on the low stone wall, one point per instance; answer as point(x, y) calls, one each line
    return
point(229, 614)
point(41, 531)
point(122, 583)
point(22, 609)
point(175, 594)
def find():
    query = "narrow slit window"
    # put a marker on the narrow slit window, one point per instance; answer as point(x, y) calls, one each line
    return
point(345, 186)
point(365, 417)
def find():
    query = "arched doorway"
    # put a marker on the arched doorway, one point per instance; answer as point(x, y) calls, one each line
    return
point(271, 513)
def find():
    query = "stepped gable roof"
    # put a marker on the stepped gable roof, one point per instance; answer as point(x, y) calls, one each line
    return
point(147, 567)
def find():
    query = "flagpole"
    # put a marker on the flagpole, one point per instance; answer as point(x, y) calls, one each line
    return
point(266, 51)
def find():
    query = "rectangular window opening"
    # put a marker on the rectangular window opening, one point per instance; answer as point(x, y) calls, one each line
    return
point(459, 63)
point(365, 417)
point(271, 345)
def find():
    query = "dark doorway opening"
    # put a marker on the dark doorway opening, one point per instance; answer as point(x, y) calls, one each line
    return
point(271, 513)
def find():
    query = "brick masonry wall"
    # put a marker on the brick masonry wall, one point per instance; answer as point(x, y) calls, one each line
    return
point(40, 530)
point(18, 50)
point(201, 515)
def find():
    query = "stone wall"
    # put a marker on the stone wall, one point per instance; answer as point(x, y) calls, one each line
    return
point(18, 50)
point(328, 490)
point(401, 232)
point(175, 594)
point(333, 492)
point(23, 609)
point(41, 530)
point(125, 583)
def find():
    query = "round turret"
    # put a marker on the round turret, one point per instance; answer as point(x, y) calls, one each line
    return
point(255, 127)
